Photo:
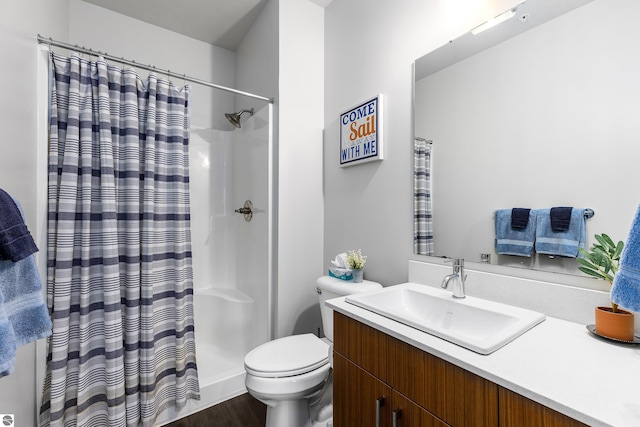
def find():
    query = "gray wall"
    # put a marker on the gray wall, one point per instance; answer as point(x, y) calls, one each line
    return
point(370, 47)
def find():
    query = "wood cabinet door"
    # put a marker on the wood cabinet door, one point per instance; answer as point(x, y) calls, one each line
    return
point(518, 411)
point(409, 414)
point(359, 398)
point(454, 395)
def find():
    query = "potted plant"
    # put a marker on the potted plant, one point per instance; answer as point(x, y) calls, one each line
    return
point(355, 261)
point(602, 260)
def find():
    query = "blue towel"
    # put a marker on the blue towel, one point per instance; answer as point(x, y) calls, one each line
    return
point(626, 283)
point(7, 342)
point(16, 242)
point(563, 243)
point(23, 302)
point(513, 241)
point(24, 316)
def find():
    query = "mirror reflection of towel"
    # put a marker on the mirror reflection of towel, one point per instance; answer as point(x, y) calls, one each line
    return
point(560, 218)
point(520, 218)
point(513, 241)
point(563, 243)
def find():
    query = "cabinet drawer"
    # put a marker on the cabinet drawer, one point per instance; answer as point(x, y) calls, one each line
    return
point(365, 346)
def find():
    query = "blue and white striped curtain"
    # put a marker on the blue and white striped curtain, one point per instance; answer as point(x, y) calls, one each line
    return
point(119, 279)
point(422, 213)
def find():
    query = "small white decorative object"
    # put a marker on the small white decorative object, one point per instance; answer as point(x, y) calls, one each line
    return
point(361, 133)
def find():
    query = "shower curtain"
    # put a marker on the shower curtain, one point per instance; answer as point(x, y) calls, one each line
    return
point(119, 273)
point(422, 214)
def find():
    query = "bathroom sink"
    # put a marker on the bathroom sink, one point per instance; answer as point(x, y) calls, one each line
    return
point(479, 325)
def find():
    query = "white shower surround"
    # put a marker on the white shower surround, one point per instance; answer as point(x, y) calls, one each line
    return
point(230, 255)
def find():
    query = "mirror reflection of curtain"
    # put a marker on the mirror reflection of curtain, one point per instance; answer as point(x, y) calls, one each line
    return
point(422, 213)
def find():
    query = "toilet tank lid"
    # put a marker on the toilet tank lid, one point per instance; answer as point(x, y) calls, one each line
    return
point(346, 287)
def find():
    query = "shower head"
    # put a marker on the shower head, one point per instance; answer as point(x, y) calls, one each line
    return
point(234, 118)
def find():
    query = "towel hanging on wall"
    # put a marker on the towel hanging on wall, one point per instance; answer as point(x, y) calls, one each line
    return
point(560, 243)
point(514, 241)
point(24, 316)
point(16, 242)
point(626, 284)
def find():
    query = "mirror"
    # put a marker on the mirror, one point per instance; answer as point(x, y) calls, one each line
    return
point(548, 116)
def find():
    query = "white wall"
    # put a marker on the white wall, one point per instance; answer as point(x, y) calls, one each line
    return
point(93, 27)
point(300, 238)
point(370, 47)
point(257, 57)
point(282, 57)
point(528, 122)
point(20, 22)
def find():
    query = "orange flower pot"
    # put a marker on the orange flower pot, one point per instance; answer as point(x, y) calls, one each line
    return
point(618, 325)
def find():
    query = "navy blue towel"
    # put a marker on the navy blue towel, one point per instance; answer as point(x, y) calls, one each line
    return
point(560, 218)
point(16, 242)
point(519, 218)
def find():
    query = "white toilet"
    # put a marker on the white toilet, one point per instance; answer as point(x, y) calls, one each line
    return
point(292, 374)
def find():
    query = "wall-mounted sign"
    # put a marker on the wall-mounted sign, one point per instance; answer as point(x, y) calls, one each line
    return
point(361, 133)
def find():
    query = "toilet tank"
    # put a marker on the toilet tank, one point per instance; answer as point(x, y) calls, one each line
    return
point(330, 287)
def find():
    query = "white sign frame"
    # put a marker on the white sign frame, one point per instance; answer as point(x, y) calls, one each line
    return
point(361, 133)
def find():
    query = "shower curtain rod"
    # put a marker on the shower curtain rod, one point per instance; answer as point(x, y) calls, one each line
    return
point(49, 41)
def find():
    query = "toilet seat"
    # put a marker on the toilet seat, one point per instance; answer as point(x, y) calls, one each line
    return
point(287, 357)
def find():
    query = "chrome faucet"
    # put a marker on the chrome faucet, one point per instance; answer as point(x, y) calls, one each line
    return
point(458, 276)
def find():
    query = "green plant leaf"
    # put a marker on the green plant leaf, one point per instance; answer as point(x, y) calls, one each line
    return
point(585, 261)
point(602, 259)
point(603, 242)
point(608, 240)
point(591, 272)
point(618, 251)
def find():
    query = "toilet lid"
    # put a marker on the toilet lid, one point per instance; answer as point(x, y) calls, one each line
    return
point(288, 356)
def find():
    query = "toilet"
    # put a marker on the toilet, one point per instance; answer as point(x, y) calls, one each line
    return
point(292, 375)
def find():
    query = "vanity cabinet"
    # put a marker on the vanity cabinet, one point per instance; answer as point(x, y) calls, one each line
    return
point(378, 378)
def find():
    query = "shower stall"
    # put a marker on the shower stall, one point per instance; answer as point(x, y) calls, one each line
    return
point(230, 166)
point(231, 156)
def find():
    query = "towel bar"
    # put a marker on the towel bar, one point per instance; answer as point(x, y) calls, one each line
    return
point(588, 213)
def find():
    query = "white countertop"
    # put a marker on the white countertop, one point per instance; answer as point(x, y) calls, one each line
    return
point(557, 363)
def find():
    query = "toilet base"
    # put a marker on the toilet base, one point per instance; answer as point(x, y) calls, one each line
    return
point(289, 413)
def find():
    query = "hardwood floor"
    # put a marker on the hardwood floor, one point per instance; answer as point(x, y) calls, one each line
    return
point(241, 411)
